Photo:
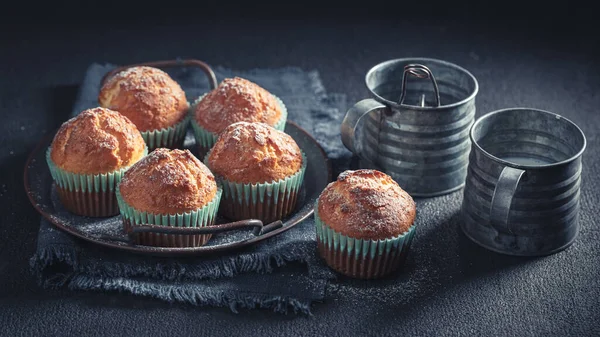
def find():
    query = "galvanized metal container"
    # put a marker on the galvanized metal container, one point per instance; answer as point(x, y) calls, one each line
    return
point(415, 129)
point(522, 189)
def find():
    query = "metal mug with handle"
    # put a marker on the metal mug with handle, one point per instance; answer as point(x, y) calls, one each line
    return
point(416, 131)
point(523, 184)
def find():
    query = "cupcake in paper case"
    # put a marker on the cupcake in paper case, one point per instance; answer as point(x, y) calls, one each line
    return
point(168, 188)
point(234, 100)
point(364, 224)
point(87, 158)
point(261, 170)
point(153, 101)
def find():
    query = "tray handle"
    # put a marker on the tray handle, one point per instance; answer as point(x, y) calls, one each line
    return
point(212, 79)
point(256, 225)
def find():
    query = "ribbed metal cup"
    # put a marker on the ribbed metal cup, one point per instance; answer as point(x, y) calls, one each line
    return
point(522, 189)
point(415, 131)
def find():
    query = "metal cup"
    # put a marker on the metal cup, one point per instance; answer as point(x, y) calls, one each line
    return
point(522, 189)
point(416, 126)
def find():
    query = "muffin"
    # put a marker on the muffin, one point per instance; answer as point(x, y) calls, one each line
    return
point(364, 223)
point(261, 170)
point(234, 100)
point(153, 101)
point(168, 188)
point(88, 156)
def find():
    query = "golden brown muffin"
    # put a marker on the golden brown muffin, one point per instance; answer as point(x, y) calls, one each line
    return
point(148, 96)
point(254, 153)
point(168, 182)
point(97, 141)
point(366, 204)
point(236, 100)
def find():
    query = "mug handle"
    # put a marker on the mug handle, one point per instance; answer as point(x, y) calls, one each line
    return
point(502, 198)
point(350, 122)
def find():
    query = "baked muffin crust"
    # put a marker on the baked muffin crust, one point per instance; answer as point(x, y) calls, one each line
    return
point(148, 96)
point(97, 141)
point(254, 153)
point(236, 100)
point(366, 204)
point(168, 182)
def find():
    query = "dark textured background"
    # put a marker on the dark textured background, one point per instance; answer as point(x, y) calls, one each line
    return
point(543, 58)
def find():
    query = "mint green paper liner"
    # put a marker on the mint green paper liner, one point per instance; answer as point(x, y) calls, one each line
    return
point(85, 182)
point(352, 256)
point(171, 137)
point(202, 217)
point(265, 201)
point(206, 139)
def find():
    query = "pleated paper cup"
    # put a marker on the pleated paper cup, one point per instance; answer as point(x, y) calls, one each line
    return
point(267, 202)
point(359, 258)
point(90, 195)
point(170, 138)
point(202, 217)
point(206, 139)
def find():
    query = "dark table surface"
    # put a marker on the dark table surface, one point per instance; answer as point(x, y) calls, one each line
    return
point(538, 64)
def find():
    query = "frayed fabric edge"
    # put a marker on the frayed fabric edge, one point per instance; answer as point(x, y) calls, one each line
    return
point(196, 297)
point(77, 279)
point(224, 267)
point(49, 256)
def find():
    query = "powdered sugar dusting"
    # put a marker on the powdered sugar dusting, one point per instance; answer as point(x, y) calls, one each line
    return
point(366, 204)
point(254, 153)
point(168, 181)
point(260, 139)
point(98, 140)
point(146, 95)
point(234, 100)
point(145, 76)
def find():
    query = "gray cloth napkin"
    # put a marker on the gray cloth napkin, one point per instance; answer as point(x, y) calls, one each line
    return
point(257, 278)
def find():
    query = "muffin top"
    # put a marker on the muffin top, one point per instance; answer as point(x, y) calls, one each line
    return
point(168, 182)
point(236, 100)
point(253, 153)
point(148, 96)
point(97, 141)
point(366, 204)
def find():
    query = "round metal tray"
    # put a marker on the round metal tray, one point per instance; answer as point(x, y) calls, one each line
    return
point(227, 237)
